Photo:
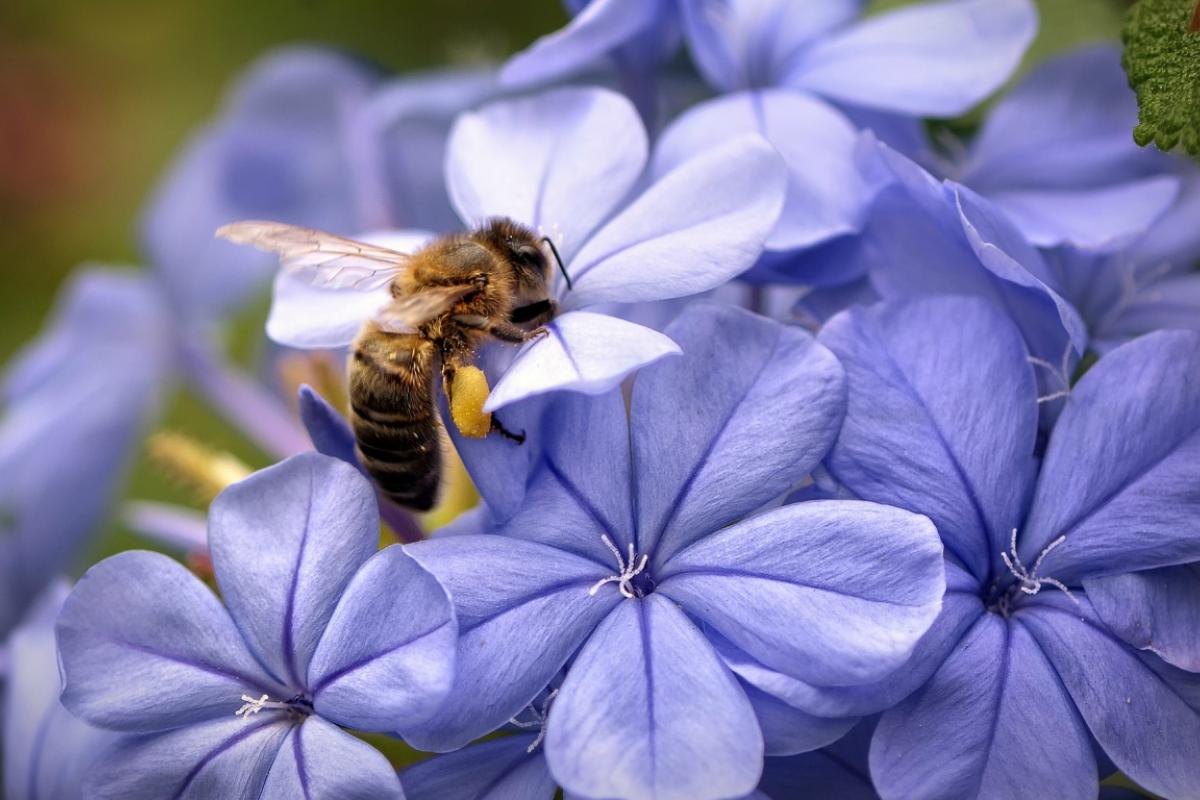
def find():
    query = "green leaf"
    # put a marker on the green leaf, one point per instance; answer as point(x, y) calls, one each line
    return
point(1162, 60)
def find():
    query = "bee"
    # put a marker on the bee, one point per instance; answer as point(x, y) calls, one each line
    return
point(448, 297)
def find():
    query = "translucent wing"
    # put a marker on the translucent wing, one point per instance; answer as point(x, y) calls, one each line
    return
point(325, 260)
point(406, 314)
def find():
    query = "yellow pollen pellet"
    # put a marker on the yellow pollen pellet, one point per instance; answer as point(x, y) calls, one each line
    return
point(470, 391)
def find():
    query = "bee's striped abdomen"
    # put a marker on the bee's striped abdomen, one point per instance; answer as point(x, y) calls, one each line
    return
point(392, 413)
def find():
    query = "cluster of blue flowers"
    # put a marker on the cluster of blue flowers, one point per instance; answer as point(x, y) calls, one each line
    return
point(861, 461)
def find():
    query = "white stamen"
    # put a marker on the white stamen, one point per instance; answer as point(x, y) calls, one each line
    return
point(253, 706)
point(538, 721)
point(1028, 579)
point(1061, 373)
point(626, 571)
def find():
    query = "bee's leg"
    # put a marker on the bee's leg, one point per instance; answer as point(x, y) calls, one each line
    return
point(519, 438)
point(502, 329)
point(538, 313)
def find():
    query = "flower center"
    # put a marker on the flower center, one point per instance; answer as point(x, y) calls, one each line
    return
point(1028, 581)
point(631, 578)
point(537, 720)
point(298, 705)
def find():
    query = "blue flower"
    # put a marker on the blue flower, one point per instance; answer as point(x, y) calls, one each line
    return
point(635, 36)
point(75, 400)
point(780, 63)
point(1019, 673)
point(47, 750)
point(320, 631)
point(1056, 157)
point(564, 162)
point(632, 547)
point(1146, 285)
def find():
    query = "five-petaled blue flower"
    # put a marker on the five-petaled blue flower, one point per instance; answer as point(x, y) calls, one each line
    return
point(320, 630)
point(1020, 675)
point(635, 544)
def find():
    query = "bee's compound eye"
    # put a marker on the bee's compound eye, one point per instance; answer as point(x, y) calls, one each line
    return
point(528, 252)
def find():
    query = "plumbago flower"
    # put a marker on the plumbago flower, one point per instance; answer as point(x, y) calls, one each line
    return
point(633, 547)
point(320, 630)
point(47, 750)
point(1019, 673)
point(778, 63)
point(564, 162)
point(75, 401)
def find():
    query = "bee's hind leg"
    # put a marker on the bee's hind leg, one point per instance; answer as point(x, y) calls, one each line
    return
point(519, 438)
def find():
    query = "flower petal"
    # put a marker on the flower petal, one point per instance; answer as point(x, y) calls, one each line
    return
point(386, 659)
point(558, 161)
point(584, 352)
point(138, 622)
point(648, 712)
point(1145, 719)
point(277, 152)
point(787, 730)
point(285, 543)
point(1124, 456)
point(941, 418)
point(1156, 610)
point(834, 592)
point(931, 59)
point(227, 757)
point(680, 237)
point(600, 28)
point(826, 197)
point(47, 750)
point(763, 404)
point(1170, 303)
point(839, 770)
point(959, 611)
point(992, 722)
point(572, 502)
point(741, 45)
point(523, 609)
point(406, 122)
point(1092, 218)
point(319, 760)
point(330, 433)
point(307, 316)
point(1065, 125)
point(499, 769)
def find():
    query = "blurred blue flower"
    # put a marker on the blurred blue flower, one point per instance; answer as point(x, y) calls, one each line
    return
point(75, 401)
point(311, 137)
point(1147, 285)
point(1055, 155)
point(632, 547)
point(320, 630)
point(47, 750)
point(565, 162)
point(636, 37)
point(1019, 673)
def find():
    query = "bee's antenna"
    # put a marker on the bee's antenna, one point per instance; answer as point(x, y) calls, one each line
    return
point(558, 258)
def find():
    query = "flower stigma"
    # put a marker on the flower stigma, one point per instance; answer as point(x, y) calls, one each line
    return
point(1028, 580)
point(538, 720)
point(251, 706)
point(626, 571)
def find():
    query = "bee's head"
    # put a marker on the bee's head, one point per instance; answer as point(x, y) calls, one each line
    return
point(522, 249)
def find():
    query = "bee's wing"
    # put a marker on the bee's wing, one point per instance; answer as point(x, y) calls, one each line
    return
point(325, 260)
point(407, 313)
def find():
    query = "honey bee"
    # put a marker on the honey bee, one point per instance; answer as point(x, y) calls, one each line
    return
point(447, 298)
